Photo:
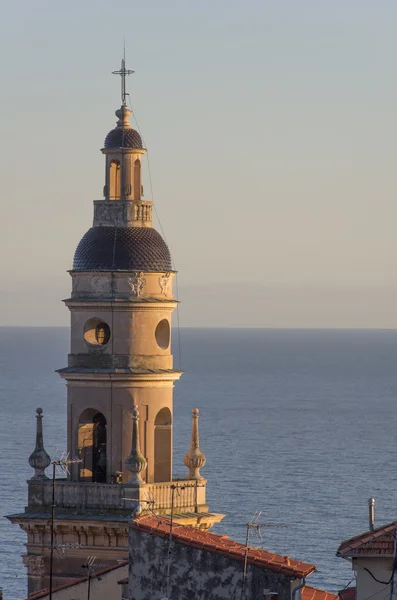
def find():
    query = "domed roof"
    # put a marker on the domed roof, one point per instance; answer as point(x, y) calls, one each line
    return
point(123, 138)
point(122, 249)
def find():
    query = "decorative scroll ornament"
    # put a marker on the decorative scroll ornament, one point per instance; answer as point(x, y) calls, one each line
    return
point(164, 282)
point(137, 283)
point(39, 459)
point(194, 459)
point(35, 564)
point(136, 463)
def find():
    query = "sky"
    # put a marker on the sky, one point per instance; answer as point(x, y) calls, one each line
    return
point(271, 132)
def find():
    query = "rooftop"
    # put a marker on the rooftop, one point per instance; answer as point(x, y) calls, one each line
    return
point(311, 593)
point(379, 542)
point(45, 592)
point(122, 249)
point(146, 524)
point(348, 594)
point(222, 545)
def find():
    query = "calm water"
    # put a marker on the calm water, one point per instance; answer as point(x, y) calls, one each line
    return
point(299, 424)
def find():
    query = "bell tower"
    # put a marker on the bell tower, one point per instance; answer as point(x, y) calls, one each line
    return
point(119, 379)
point(121, 308)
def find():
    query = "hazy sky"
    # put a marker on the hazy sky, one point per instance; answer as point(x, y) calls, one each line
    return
point(272, 141)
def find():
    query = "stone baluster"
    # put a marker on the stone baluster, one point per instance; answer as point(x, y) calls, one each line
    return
point(194, 459)
point(136, 463)
point(39, 459)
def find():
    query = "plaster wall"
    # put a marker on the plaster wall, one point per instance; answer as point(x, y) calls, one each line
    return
point(381, 568)
point(132, 335)
point(194, 573)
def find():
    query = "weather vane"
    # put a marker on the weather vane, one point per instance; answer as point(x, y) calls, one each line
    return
point(123, 72)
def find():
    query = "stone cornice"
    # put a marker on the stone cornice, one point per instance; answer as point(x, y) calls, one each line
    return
point(120, 379)
point(121, 304)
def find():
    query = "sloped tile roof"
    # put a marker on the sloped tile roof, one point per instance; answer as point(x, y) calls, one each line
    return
point(45, 592)
point(223, 546)
point(378, 542)
point(348, 594)
point(311, 593)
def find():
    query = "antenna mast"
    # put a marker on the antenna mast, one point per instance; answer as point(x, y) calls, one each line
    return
point(63, 466)
point(253, 525)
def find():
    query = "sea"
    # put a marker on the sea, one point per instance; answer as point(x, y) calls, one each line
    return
point(298, 428)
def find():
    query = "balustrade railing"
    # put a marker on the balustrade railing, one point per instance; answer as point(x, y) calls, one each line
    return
point(188, 495)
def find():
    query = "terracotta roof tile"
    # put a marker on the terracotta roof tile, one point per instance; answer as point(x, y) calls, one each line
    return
point(377, 542)
point(311, 593)
point(219, 544)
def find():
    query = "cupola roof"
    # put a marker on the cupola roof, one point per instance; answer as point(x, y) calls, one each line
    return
point(123, 136)
point(122, 249)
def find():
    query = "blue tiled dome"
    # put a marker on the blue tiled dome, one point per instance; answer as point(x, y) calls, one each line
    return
point(122, 249)
point(123, 138)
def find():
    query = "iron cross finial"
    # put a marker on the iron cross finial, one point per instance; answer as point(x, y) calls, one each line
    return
point(123, 72)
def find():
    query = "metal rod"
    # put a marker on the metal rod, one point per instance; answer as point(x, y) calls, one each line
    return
point(52, 525)
point(371, 513)
point(56, 463)
point(89, 582)
point(245, 561)
point(173, 488)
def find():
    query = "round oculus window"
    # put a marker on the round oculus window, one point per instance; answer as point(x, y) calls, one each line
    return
point(163, 333)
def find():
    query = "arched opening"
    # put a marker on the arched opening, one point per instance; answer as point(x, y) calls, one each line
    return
point(91, 446)
point(163, 445)
point(137, 180)
point(114, 180)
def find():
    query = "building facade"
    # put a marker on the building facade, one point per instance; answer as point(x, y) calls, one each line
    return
point(372, 556)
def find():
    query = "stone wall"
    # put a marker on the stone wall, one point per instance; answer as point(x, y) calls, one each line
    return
point(194, 573)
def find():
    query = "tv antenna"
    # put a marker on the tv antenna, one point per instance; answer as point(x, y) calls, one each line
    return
point(91, 567)
point(174, 488)
point(254, 526)
point(138, 508)
point(58, 466)
point(61, 548)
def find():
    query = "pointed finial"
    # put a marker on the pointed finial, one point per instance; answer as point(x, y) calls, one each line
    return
point(194, 459)
point(39, 459)
point(136, 463)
